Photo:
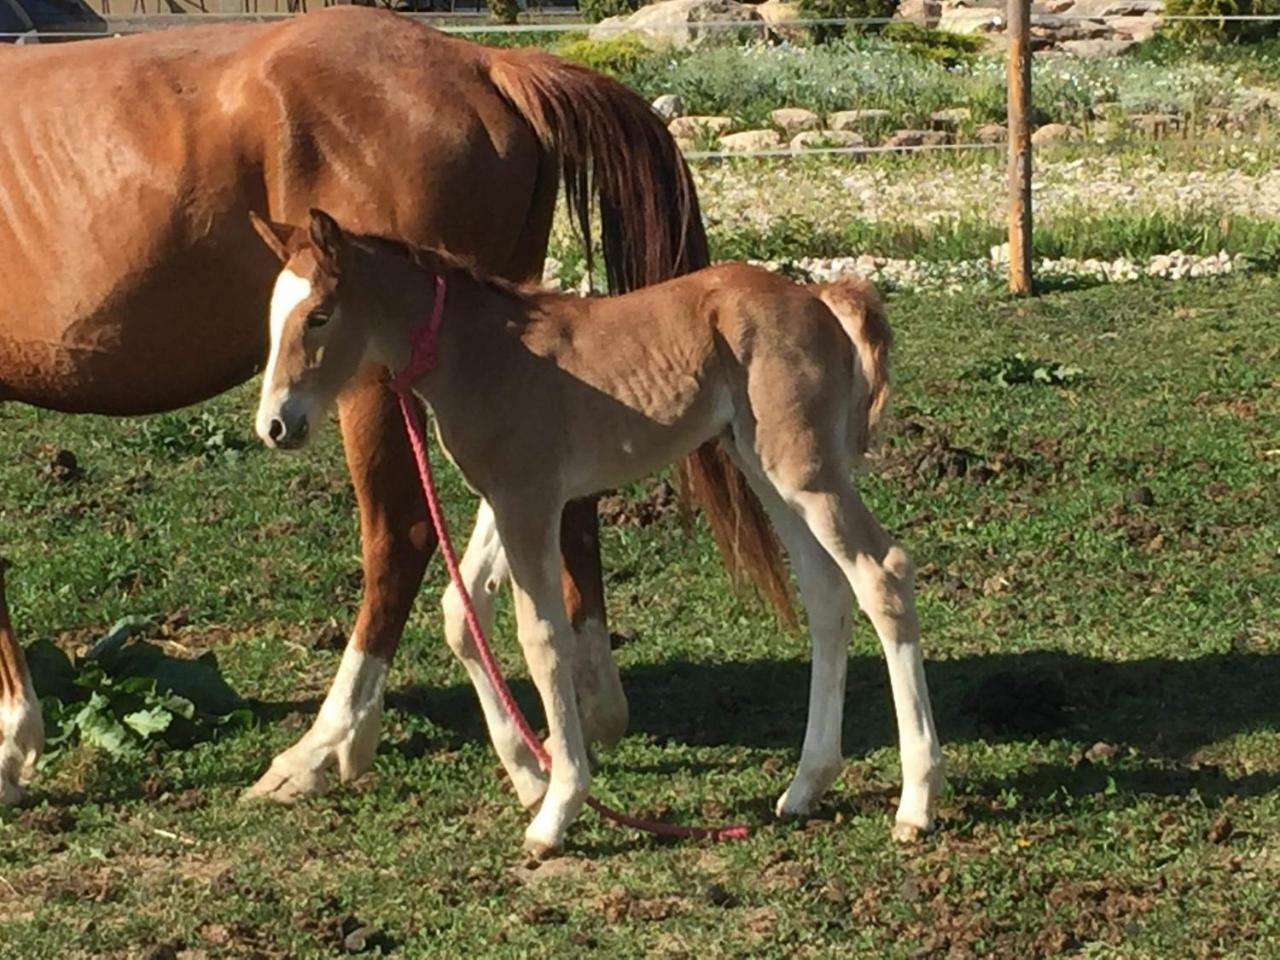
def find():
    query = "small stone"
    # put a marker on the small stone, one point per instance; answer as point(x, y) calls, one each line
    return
point(793, 120)
point(695, 126)
point(751, 140)
point(1101, 751)
point(669, 106)
point(857, 119)
point(1142, 496)
point(817, 139)
point(907, 138)
point(951, 118)
point(992, 133)
point(1054, 133)
point(1220, 830)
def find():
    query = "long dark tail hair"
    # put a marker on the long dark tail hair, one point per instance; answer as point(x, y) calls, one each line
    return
point(614, 152)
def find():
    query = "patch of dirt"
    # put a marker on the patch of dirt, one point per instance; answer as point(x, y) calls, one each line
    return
point(49, 820)
point(617, 904)
point(659, 503)
point(922, 453)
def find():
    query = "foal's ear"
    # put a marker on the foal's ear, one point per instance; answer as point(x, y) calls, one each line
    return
point(326, 236)
point(277, 236)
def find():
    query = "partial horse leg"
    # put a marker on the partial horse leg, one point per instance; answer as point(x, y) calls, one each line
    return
point(601, 700)
point(21, 725)
point(396, 540)
point(882, 578)
point(828, 604)
point(529, 532)
point(484, 569)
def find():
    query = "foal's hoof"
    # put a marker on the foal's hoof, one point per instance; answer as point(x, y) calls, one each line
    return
point(287, 787)
point(908, 833)
point(540, 850)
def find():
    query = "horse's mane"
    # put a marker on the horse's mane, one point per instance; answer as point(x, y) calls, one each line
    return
point(436, 259)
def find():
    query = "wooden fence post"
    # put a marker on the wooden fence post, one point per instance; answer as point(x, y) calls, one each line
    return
point(1019, 77)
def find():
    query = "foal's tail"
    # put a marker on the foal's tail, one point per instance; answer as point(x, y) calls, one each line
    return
point(614, 151)
point(857, 305)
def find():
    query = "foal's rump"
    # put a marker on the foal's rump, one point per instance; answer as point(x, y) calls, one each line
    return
point(857, 305)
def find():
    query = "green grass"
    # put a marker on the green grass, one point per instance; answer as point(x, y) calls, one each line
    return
point(1058, 614)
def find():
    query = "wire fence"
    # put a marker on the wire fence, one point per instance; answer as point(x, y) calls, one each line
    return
point(998, 20)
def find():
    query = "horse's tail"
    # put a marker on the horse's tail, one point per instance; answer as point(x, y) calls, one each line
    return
point(614, 151)
point(857, 305)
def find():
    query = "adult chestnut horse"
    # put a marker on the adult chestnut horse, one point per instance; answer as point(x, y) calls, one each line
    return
point(132, 281)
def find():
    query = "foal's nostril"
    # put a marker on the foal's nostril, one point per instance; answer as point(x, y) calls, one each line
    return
point(276, 430)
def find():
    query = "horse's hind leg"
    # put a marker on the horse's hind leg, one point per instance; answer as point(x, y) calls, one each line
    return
point(21, 726)
point(881, 575)
point(396, 541)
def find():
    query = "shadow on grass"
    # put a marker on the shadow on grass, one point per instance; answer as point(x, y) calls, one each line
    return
point(1165, 709)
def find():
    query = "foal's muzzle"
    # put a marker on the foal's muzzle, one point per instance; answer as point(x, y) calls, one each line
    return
point(287, 434)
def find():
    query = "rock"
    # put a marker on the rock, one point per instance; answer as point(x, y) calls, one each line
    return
point(958, 19)
point(680, 24)
point(1054, 133)
point(992, 133)
point(1157, 124)
point(817, 139)
point(950, 119)
point(857, 119)
point(1137, 29)
point(749, 140)
point(1095, 49)
point(669, 106)
point(793, 120)
point(927, 13)
point(778, 16)
point(1057, 29)
point(690, 128)
point(917, 138)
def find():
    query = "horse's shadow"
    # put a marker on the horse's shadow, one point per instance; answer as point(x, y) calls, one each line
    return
point(1164, 710)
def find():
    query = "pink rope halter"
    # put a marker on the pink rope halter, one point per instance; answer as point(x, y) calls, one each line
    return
point(423, 358)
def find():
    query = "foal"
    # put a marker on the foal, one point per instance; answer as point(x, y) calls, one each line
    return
point(540, 398)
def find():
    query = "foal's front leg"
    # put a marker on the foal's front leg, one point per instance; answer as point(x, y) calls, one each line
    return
point(530, 532)
point(21, 725)
point(484, 570)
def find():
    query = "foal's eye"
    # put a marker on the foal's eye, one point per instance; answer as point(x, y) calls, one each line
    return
point(317, 319)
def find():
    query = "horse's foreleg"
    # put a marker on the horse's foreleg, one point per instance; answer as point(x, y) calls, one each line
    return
point(396, 541)
point(21, 726)
point(601, 700)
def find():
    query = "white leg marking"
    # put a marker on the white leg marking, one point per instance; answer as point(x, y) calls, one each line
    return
point(21, 742)
point(484, 569)
point(345, 733)
point(532, 538)
point(882, 579)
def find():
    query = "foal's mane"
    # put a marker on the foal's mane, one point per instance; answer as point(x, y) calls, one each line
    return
point(436, 260)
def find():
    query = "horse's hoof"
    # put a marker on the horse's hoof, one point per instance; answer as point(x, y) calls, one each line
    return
point(540, 850)
point(908, 833)
point(283, 787)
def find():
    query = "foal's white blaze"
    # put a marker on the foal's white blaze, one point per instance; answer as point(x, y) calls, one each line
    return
point(345, 733)
point(21, 742)
point(290, 290)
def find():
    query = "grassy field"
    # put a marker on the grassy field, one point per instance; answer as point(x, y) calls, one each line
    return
point(1099, 583)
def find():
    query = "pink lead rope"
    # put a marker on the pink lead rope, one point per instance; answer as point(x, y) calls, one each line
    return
point(422, 358)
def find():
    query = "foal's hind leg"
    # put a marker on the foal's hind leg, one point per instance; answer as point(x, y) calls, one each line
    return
point(828, 604)
point(484, 570)
point(21, 725)
point(881, 575)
